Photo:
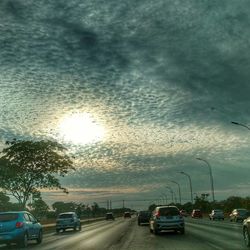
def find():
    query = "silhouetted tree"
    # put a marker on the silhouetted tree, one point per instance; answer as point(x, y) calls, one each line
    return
point(27, 166)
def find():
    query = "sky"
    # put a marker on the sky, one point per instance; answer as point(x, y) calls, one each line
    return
point(136, 90)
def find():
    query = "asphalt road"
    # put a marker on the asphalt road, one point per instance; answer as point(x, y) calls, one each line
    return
point(124, 234)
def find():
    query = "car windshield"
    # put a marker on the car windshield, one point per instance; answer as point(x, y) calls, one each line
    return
point(126, 106)
point(218, 211)
point(8, 217)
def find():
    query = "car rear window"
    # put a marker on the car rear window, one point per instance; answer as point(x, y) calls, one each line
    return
point(8, 217)
point(65, 216)
point(169, 211)
point(241, 212)
point(218, 211)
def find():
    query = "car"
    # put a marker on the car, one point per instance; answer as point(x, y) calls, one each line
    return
point(165, 218)
point(19, 227)
point(68, 220)
point(239, 214)
point(216, 214)
point(246, 231)
point(110, 216)
point(196, 213)
point(143, 217)
point(127, 215)
point(184, 213)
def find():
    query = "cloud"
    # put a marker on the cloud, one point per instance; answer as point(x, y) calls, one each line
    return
point(165, 79)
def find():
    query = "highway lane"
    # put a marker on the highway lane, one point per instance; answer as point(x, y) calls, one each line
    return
point(125, 234)
point(200, 234)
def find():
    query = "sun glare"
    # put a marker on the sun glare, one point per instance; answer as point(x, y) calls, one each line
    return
point(81, 128)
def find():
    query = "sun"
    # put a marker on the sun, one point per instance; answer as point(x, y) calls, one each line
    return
point(81, 128)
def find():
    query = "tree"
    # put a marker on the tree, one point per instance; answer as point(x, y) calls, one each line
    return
point(27, 166)
point(39, 206)
point(61, 207)
point(4, 201)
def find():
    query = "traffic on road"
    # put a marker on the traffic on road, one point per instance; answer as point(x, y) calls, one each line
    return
point(171, 231)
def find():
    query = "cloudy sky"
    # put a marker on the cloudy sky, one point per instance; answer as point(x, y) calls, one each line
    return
point(137, 90)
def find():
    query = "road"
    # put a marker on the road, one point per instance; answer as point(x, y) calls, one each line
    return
point(124, 234)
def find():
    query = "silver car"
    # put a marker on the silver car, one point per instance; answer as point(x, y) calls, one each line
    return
point(68, 220)
point(165, 218)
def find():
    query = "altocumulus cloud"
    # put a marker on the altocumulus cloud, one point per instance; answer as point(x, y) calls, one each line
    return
point(165, 77)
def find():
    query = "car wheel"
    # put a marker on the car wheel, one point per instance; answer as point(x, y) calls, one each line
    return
point(246, 236)
point(24, 241)
point(139, 223)
point(40, 237)
point(57, 230)
point(80, 227)
point(75, 228)
point(182, 231)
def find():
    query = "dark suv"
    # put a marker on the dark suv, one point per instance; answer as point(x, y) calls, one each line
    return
point(127, 215)
point(143, 217)
point(216, 214)
point(239, 214)
point(110, 216)
point(68, 220)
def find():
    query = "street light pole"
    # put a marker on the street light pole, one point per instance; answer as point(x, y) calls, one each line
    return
point(240, 124)
point(178, 188)
point(211, 176)
point(172, 192)
point(190, 183)
point(166, 197)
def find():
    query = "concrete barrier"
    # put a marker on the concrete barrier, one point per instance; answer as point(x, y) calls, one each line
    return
point(52, 226)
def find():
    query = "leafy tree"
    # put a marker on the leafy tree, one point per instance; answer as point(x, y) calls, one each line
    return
point(95, 209)
point(27, 166)
point(202, 203)
point(39, 206)
point(152, 207)
point(61, 207)
point(4, 201)
point(233, 202)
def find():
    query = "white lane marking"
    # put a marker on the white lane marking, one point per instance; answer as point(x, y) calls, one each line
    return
point(214, 246)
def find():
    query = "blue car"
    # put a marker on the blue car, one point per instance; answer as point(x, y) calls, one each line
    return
point(19, 227)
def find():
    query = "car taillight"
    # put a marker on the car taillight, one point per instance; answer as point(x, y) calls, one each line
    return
point(157, 215)
point(19, 224)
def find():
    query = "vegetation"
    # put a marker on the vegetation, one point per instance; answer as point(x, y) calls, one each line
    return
point(205, 206)
point(27, 166)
